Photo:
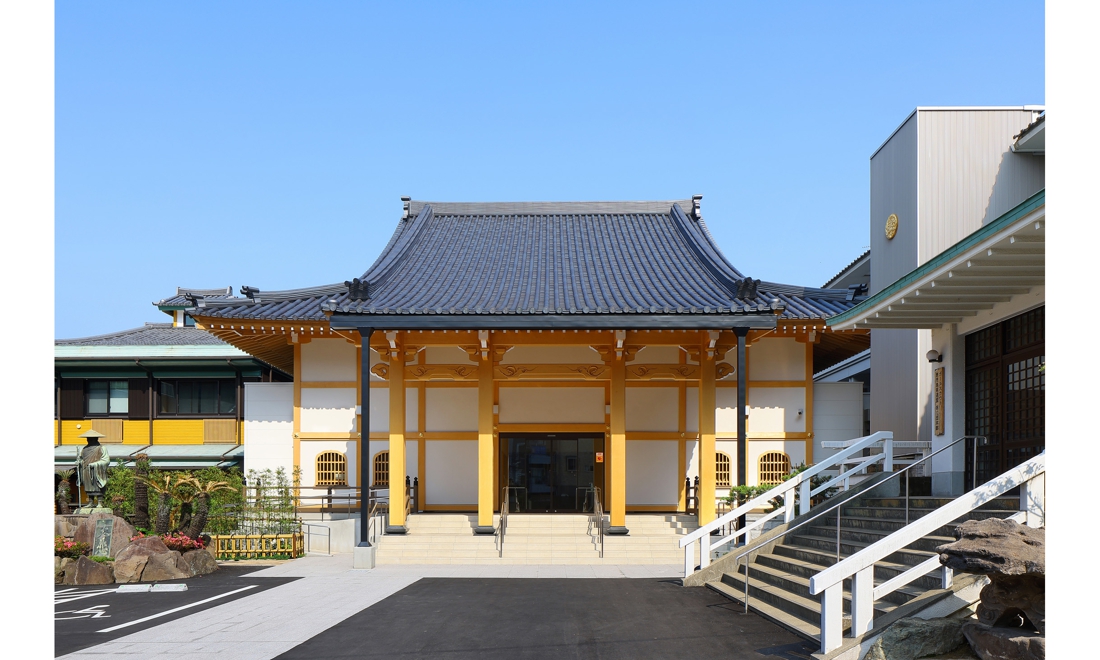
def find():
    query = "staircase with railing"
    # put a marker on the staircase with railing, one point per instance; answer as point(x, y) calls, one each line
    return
point(864, 557)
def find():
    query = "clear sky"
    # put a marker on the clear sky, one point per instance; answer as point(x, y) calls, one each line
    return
point(209, 144)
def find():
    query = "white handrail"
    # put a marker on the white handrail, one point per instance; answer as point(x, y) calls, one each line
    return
point(861, 565)
point(801, 481)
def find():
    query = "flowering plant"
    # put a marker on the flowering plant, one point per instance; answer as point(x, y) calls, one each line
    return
point(63, 547)
point(181, 542)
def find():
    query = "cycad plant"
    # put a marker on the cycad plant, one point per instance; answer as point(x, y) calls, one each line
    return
point(163, 486)
point(141, 491)
point(203, 493)
point(63, 491)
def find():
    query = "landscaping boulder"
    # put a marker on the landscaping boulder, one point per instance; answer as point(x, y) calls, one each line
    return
point(62, 527)
point(144, 547)
point(996, 547)
point(129, 568)
point(85, 571)
point(1014, 558)
point(197, 562)
point(59, 566)
point(997, 643)
point(908, 639)
point(162, 566)
point(120, 535)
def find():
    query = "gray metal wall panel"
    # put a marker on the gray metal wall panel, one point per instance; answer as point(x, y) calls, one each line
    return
point(894, 190)
point(894, 382)
point(967, 174)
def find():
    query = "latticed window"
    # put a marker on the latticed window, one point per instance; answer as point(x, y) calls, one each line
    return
point(774, 465)
point(332, 469)
point(382, 469)
point(722, 470)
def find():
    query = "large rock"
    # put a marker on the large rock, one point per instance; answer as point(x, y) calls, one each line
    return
point(62, 527)
point(908, 639)
point(161, 567)
point(129, 568)
point(85, 571)
point(197, 562)
point(996, 547)
point(59, 566)
point(120, 535)
point(1014, 602)
point(994, 643)
point(143, 547)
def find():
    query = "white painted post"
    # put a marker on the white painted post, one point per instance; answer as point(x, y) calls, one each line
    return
point(863, 608)
point(832, 618)
point(788, 509)
point(888, 458)
point(704, 551)
point(804, 497)
point(946, 577)
point(689, 560)
point(1033, 500)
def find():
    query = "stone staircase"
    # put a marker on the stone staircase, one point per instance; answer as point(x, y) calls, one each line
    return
point(779, 576)
point(442, 538)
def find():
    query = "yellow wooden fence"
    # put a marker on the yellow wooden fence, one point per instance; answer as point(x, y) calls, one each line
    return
point(249, 546)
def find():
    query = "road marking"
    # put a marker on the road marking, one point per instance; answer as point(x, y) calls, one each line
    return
point(184, 607)
point(68, 595)
point(95, 611)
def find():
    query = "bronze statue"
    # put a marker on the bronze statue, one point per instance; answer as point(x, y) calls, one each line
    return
point(91, 467)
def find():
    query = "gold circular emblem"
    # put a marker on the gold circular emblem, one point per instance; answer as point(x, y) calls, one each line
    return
point(891, 226)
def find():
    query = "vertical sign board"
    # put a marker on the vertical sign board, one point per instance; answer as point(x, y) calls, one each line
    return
point(939, 401)
point(101, 541)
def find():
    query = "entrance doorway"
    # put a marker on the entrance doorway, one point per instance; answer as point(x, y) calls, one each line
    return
point(552, 473)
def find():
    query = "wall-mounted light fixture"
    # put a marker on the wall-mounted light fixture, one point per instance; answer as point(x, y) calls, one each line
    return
point(934, 356)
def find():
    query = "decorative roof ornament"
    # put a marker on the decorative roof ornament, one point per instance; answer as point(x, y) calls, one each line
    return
point(746, 289)
point(358, 289)
point(696, 207)
point(251, 292)
point(196, 300)
point(406, 206)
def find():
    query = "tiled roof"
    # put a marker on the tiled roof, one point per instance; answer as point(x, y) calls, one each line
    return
point(151, 334)
point(185, 297)
point(531, 258)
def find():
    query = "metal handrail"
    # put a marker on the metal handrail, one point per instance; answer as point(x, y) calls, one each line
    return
point(374, 507)
point(597, 517)
point(502, 526)
point(309, 537)
point(845, 500)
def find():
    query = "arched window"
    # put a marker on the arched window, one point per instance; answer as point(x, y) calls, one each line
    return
point(382, 469)
point(774, 465)
point(722, 470)
point(332, 469)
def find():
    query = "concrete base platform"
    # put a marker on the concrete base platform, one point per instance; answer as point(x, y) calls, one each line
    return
point(364, 557)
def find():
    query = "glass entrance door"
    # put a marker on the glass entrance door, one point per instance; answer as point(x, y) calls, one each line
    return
point(552, 473)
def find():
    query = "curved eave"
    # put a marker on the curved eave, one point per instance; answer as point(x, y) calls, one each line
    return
point(1005, 258)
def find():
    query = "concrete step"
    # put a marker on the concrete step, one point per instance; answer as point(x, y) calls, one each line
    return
point(805, 629)
point(804, 607)
point(867, 536)
point(826, 546)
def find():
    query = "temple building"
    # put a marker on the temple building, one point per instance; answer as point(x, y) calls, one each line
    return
point(545, 352)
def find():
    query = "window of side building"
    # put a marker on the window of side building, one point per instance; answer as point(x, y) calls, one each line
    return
point(206, 397)
point(107, 397)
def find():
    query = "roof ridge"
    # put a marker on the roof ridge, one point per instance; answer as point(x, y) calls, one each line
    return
point(548, 208)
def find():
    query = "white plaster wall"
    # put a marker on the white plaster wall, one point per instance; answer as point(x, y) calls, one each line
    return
point(691, 456)
point(450, 408)
point(328, 359)
point(795, 450)
point(725, 413)
point(551, 355)
point(652, 408)
point(328, 410)
point(948, 468)
point(268, 426)
point(450, 472)
point(550, 405)
point(380, 410)
point(658, 355)
point(311, 449)
point(446, 355)
point(691, 410)
point(651, 477)
point(775, 409)
point(838, 415)
point(777, 358)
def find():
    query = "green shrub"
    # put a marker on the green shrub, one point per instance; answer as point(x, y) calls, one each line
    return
point(100, 559)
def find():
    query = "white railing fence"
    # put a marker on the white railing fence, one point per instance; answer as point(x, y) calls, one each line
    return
point(860, 567)
point(699, 542)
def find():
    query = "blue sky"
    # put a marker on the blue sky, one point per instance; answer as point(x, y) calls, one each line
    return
point(268, 143)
